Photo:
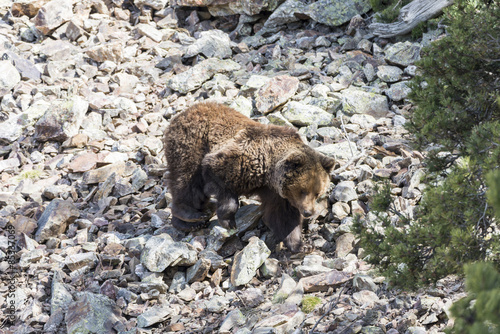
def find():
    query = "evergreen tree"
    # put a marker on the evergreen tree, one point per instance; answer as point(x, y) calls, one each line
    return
point(457, 121)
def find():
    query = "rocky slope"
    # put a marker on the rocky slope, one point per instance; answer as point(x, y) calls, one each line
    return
point(87, 247)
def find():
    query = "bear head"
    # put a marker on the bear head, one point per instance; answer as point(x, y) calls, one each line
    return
point(301, 176)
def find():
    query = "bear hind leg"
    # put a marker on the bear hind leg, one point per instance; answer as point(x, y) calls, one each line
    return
point(189, 202)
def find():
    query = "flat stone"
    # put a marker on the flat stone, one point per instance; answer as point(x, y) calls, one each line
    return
point(93, 313)
point(365, 297)
point(198, 272)
point(161, 251)
point(248, 260)
point(335, 13)
point(389, 73)
point(344, 191)
point(62, 120)
point(276, 92)
point(53, 14)
point(112, 51)
point(154, 315)
point(300, 114)
point(195, 76)
point(150, 31)
point(340, 151)
point(322, 282)
point(344, 244)
point(357, 101)
point(9, 76)
point(122, 169)
point(403, 53)
point(398, 91)
point(54, 220)
point(212, 43)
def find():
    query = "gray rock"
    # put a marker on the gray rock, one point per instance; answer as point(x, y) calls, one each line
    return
point(242, 105)
point(121, 169)
point(161, 251)
point(284, 14)
point(155, 4)
point(311, 265)
point(62, 120)
point(93, 313)
point(275, 93)
point(340, 210)
point(416, 330)
point(364, 282)
point(53, 14)
point(270, 268)
point(111, 51)
point(248, 260)
point(195, 76)
point(344, 192)
point(154, 315)
point(54, 220)
point(389, 73)
point(150, 31)
point(324, 281)
point(251, 297)
point(9, 76)
point(80, 260)
point(217, 304)
point(340, 151)
point(287, 285)
point(233, 319)
point(403, 53)
point(335, 12)
point(26, 68)
point(230, 7)
point(253, 83)
point(212, 43)
point(60, 299)
point(365, 297)
point(301, 114)
point(398, 91)
point(357, 101)
point(344, 244)
point(30, 257)
point(198, 272)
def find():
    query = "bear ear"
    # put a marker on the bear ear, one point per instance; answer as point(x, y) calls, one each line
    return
point(293, 161)
point(327, 162)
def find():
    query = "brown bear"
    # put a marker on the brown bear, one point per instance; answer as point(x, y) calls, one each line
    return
point(213, 150)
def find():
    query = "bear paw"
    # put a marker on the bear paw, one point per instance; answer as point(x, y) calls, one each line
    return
point(185, 226)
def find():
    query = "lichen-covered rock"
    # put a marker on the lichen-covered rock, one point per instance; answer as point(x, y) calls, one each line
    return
point(403, 53)
point(93, 313)
point(357, 101)
point(194, 77)
point(335, 12)
point(301, 114)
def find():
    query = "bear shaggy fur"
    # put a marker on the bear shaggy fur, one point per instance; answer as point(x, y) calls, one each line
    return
point(212, 150)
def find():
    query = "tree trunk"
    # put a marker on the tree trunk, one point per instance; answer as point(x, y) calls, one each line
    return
point(410, 16)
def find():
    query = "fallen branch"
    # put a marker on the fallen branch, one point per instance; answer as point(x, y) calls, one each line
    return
point(410, 16)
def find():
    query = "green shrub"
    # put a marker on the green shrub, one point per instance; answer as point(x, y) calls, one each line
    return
point(387, 10)
point(457, 121)
point(479, 312)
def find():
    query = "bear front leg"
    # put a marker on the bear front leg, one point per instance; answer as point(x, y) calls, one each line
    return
point(284, 220)
point(227, 202)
